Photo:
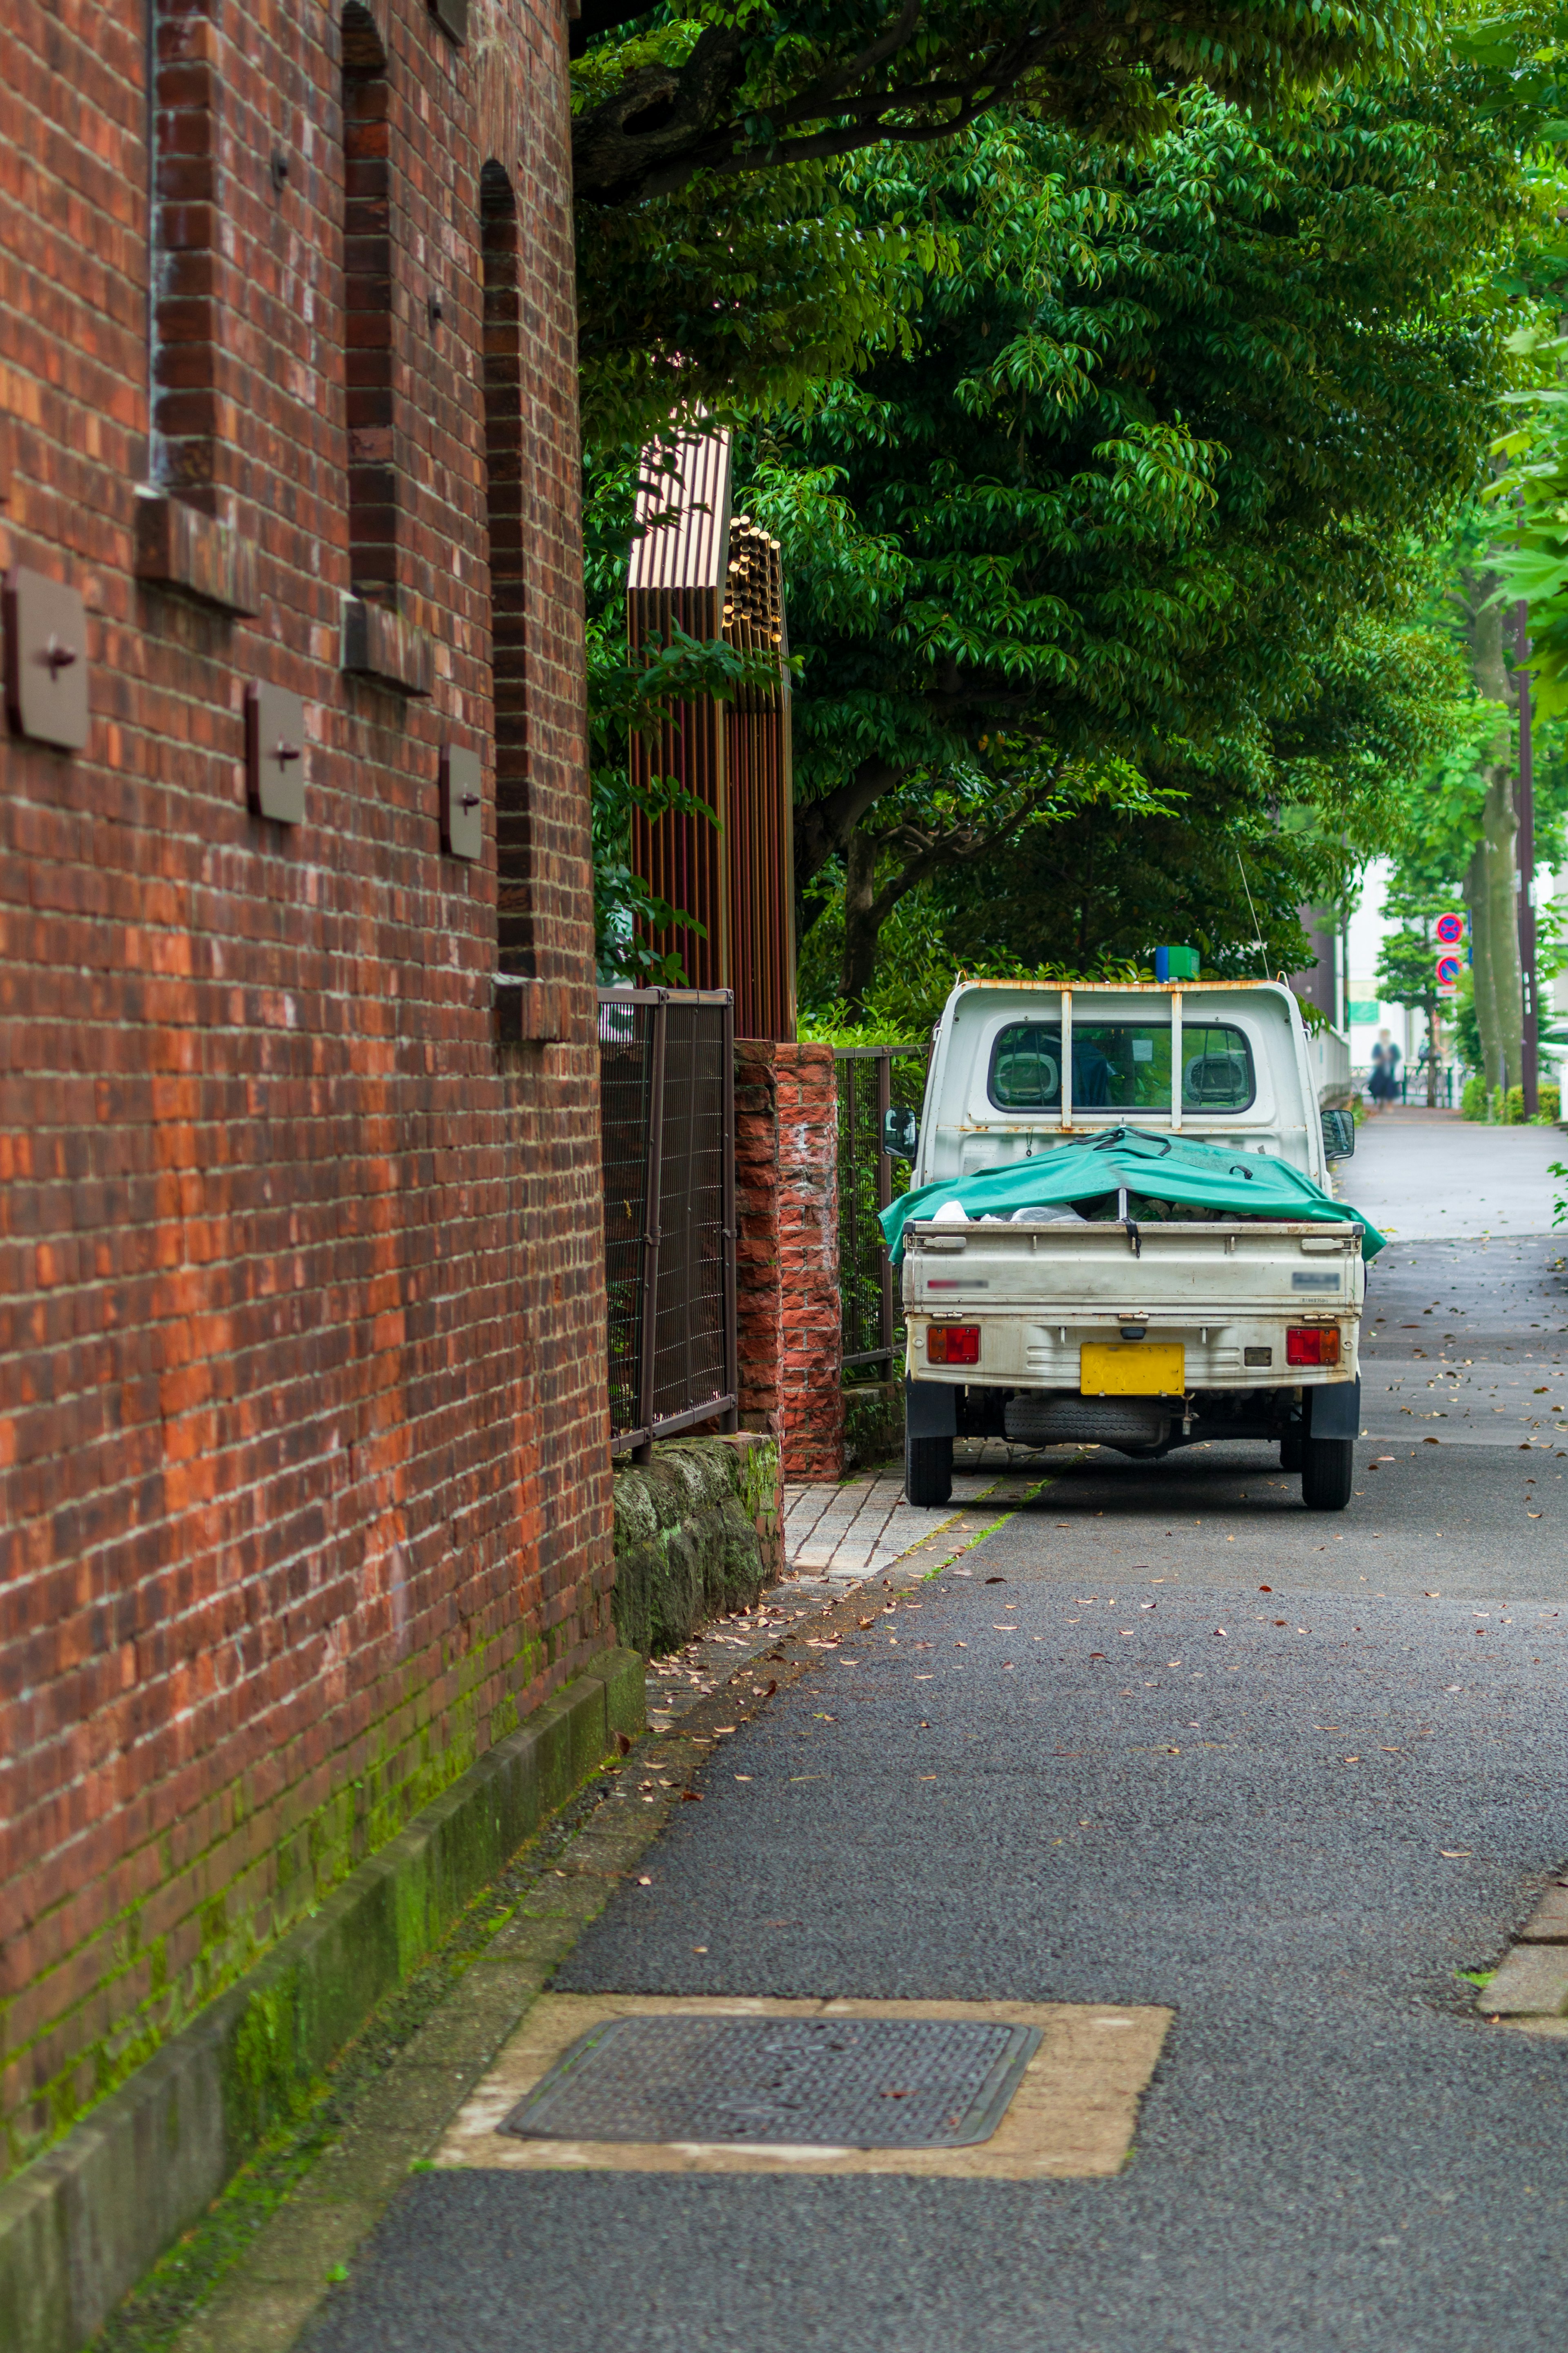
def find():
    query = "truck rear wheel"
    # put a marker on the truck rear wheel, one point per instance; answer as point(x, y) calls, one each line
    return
point(1328, 1472)
point(928, 1469)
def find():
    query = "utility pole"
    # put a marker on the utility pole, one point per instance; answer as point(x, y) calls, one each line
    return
point(1530, 1075)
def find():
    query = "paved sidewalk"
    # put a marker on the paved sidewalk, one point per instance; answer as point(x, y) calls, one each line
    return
point(1421, 1173)
point(837, 1537)
point(860, 1528)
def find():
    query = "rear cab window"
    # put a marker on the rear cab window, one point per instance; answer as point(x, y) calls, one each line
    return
point(1121, 1066)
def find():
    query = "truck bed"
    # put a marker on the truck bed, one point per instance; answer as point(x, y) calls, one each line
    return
point(1040, 1293)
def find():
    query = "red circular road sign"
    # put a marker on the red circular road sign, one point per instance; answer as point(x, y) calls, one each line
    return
point(1450, 930)
point(1447, 972)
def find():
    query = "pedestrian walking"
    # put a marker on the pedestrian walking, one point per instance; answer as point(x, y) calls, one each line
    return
point(1382, 1082)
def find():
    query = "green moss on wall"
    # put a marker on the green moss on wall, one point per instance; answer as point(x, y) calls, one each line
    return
point(687, 1541)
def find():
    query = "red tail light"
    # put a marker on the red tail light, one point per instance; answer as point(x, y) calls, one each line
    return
point(1311, 1343)
point(952, 1344)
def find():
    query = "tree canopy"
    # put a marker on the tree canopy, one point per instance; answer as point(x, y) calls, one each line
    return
point(1109, 470)
point(723, 88)
point(1117, 545)
point(720, 258)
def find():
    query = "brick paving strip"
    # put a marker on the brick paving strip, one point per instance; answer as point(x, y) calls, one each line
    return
point(405, 2099)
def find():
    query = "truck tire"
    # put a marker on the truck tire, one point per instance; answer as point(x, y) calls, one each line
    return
point(1328, 1472)
point(928, 1469)
point(1290, 1447)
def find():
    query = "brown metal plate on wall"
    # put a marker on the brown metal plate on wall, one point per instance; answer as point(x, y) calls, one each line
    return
point(46, 660)
point(462, 804)
point(274, 752)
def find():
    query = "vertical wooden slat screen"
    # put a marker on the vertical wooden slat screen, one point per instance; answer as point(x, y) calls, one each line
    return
point(732, 872)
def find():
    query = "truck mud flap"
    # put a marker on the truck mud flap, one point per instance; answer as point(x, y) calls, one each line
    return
point(1334, 1410)
point(930, 1410)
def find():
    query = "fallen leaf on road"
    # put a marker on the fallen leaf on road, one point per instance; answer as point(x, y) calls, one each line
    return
point(995, 1580)
point(925, 1777)
point(699, 1948)
point(1431, 1442)
point(691, 1797)
point(1006, 1666)
point(864, 1622)
point(1454, 1854)
point(1266, 1589)
point(643, 1880)
point(742, 1776)
point(1221, 1635)
point(1282, 1621)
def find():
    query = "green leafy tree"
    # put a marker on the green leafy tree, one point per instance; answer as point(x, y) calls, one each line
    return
point(718, 262)
point(1137, 505)
point(724, 88)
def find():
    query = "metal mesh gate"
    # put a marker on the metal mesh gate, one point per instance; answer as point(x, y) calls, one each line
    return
point(871, 1080)
point(666, 1095)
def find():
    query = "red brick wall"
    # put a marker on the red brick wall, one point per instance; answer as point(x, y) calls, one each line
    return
point(788, 1307)
point(303, 1467)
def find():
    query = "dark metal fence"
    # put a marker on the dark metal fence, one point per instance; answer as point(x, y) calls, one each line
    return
point(872, 1080)
point(666, 1111)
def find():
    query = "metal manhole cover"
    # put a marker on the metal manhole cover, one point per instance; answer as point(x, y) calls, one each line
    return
point(841, 2083)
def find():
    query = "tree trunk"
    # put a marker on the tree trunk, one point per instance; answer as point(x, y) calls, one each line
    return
point(1489, 885)
point(862, 918)
point(1476, 902)
point(1498, 854)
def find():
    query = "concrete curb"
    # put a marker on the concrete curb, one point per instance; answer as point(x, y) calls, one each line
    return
point(81, 2226)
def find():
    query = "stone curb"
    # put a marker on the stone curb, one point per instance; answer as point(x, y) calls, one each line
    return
point(1530, 1985)
point(266, 2302)
point(81, 2226)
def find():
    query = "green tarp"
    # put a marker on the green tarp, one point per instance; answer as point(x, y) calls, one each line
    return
point(1155, 1168)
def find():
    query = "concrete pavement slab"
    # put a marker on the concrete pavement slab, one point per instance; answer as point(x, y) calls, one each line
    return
point(1532, 1982)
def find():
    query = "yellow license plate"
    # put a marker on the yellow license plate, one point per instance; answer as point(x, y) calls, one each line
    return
point(1131, 1369)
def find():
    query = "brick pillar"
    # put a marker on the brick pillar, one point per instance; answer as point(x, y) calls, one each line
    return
point(786, 1194)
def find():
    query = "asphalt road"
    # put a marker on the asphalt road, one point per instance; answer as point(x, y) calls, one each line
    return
point(1335, 2153)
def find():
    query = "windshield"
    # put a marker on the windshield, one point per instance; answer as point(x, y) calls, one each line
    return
point(1121, 1066)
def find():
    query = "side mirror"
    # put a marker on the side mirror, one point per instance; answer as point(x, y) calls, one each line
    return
point(901, 1133)
point(1339, 1135)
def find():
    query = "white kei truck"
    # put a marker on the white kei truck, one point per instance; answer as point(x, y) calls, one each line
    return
point(1050, 1329)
